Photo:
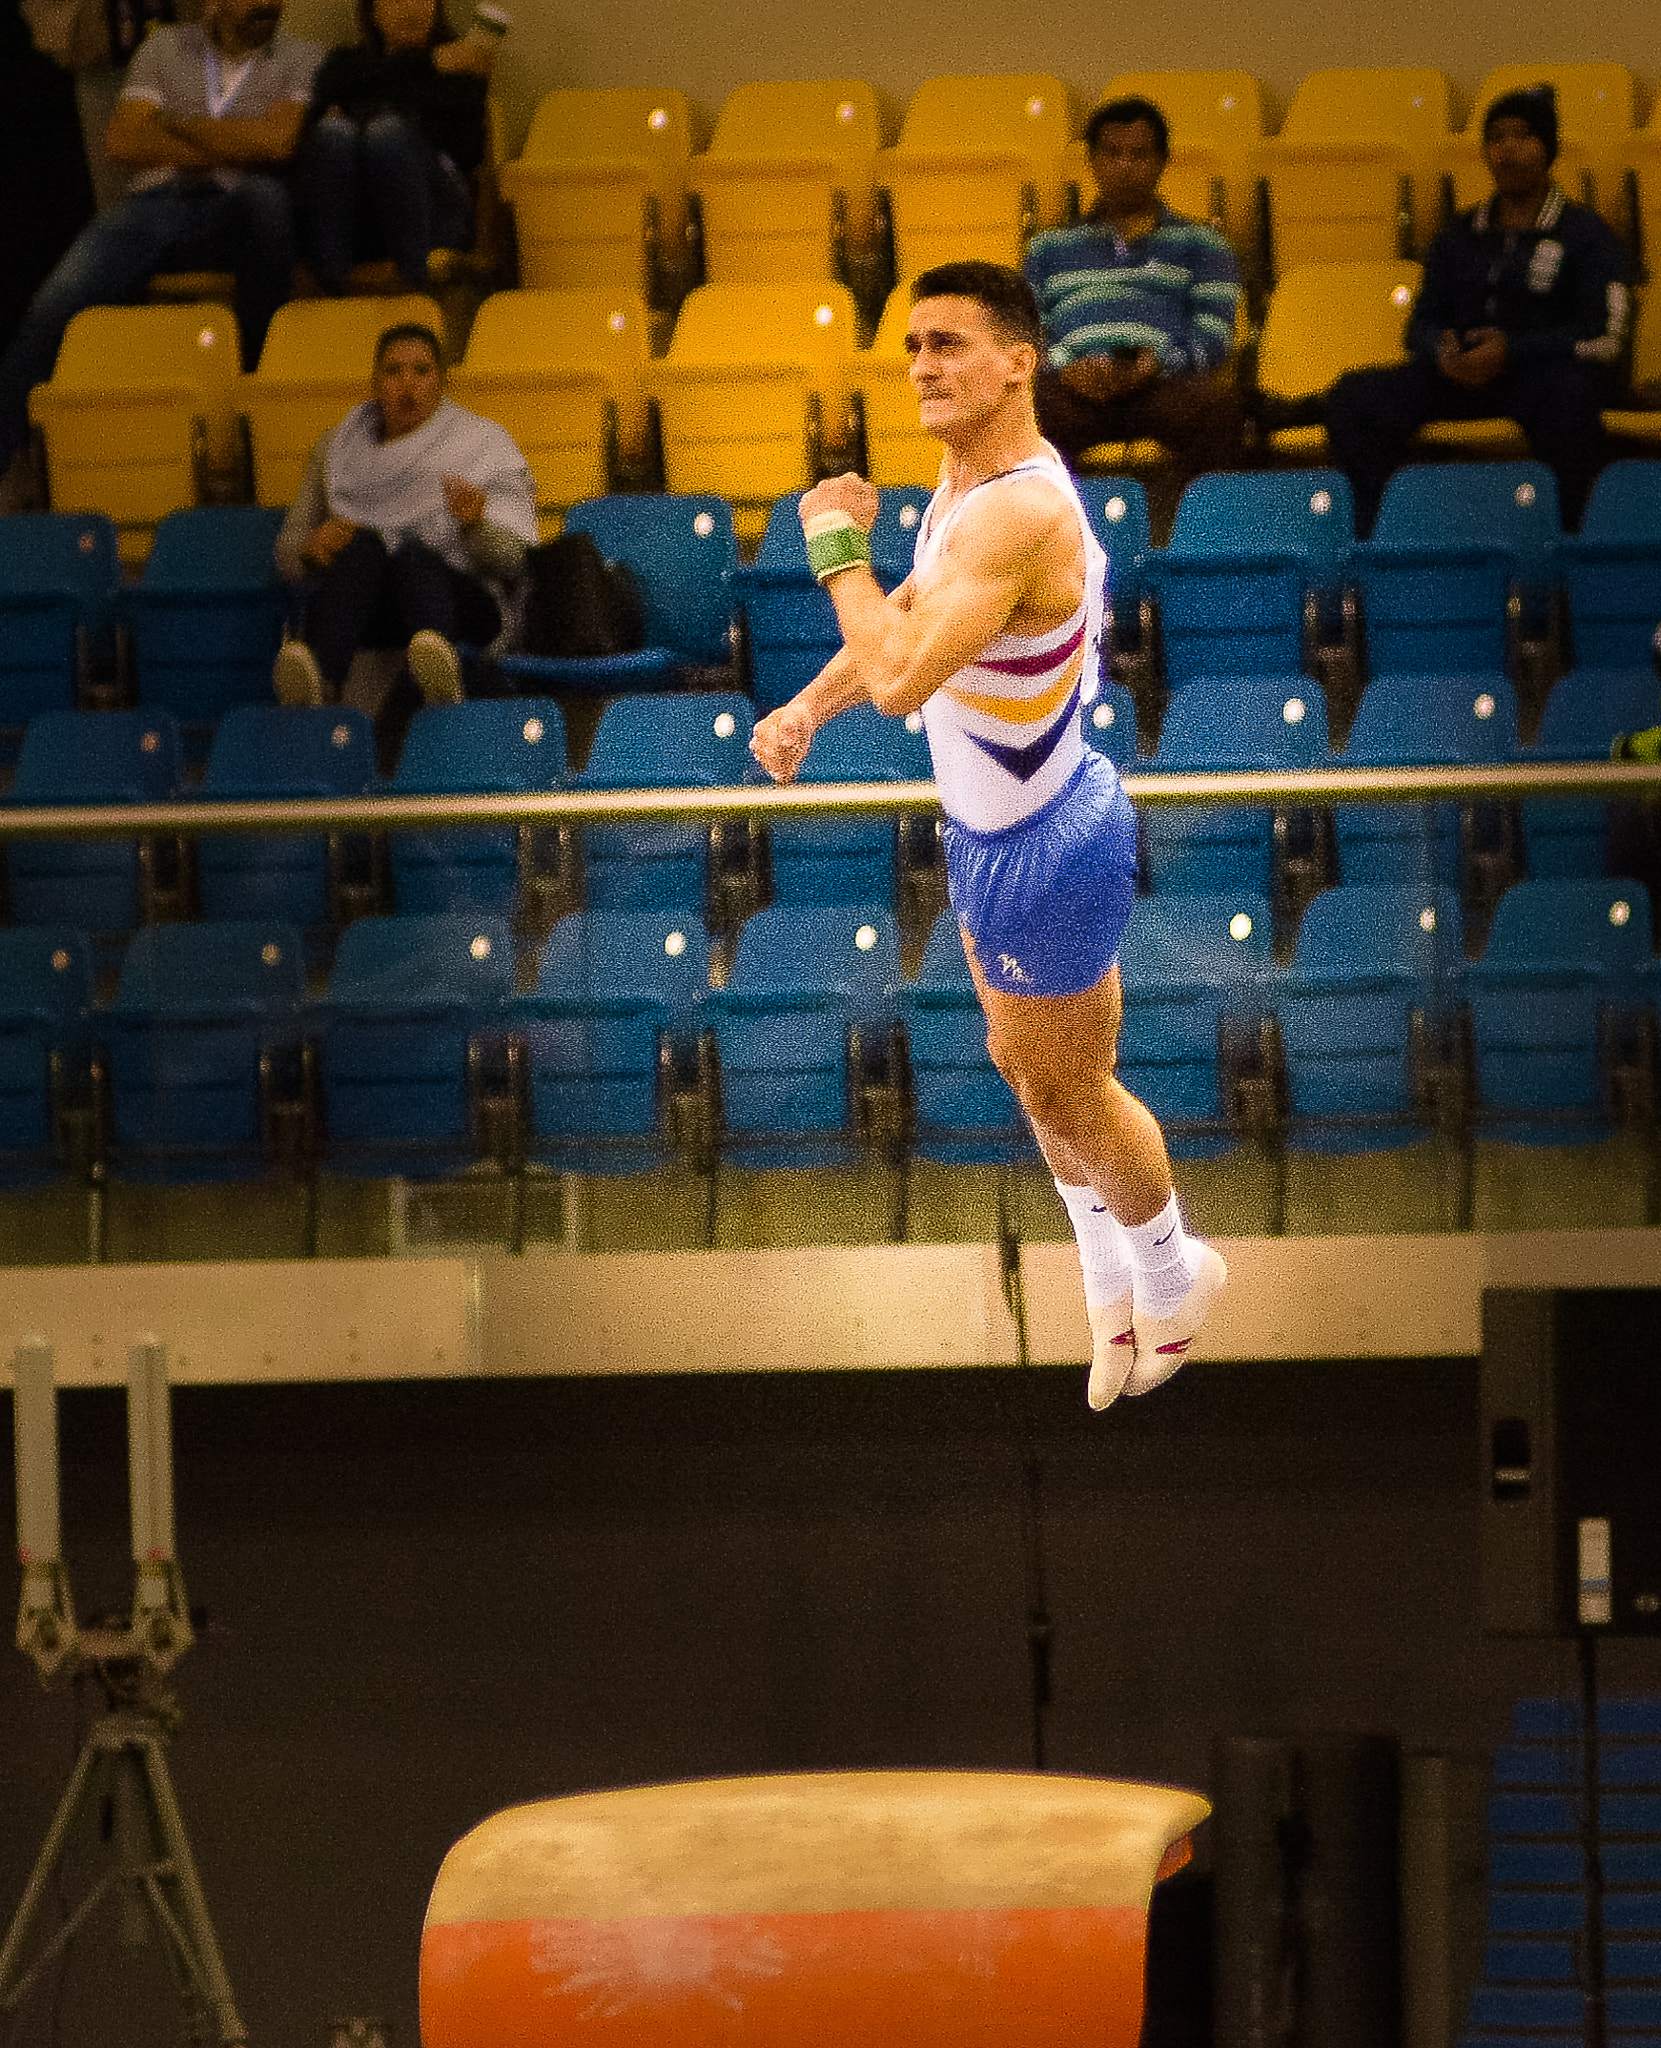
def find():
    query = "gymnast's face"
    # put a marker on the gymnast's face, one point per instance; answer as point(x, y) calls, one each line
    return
point(408, 385)
point(962, 368)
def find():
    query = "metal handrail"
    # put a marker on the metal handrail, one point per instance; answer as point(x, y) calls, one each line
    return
point(372, 813)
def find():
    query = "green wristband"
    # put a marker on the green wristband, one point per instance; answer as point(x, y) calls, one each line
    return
point(836, 547)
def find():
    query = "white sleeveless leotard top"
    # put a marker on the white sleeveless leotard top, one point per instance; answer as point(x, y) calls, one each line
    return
point(1005, 733)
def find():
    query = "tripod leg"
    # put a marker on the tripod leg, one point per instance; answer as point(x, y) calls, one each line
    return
point(189, 1930)
point(14, 1980)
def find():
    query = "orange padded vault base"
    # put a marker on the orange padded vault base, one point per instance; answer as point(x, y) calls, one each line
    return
point(937, 1909)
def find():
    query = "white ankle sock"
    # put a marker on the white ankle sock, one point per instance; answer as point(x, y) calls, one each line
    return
point(1164, 1261)
point(1103, 1253)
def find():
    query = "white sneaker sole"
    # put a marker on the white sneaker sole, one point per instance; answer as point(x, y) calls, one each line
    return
point(295, 676)
point(436, 668)
point(1164, 1344)
point(1113, 1352)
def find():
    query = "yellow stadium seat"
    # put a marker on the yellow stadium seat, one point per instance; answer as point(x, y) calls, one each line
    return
point(1353, 173)
point(977, 169)
point(599, 192)
point(564, 372)
point(139, 410)
point(1217, 121)
point(1495, 440)
point(788, 183)
point(314, 368)
point(898, 451)
point(1324, 319)
point(1625, 421)
point(755, 388)
point(1643, 160)
point(1595, 108)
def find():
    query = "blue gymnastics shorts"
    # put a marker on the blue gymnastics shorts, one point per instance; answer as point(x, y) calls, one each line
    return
point(1046, 900)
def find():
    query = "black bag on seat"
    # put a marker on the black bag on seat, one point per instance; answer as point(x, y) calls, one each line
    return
point(579, 605)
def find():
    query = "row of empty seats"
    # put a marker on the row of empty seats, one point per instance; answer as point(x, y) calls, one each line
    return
point(1535, 1979)
point(425, 1055)
point(715, 879)
point(796, 184)
point(1467, 575)
point(762, 390)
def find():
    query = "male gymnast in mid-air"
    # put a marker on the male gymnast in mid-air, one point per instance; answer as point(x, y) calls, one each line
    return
point(993, 636)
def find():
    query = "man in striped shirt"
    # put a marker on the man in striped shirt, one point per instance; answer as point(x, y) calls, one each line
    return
point(1139, 307)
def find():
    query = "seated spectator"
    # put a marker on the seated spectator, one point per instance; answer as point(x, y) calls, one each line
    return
point(208, 115)
point(1522, 315)
point(397, 134)
point(1139, 307)
point(409, 530)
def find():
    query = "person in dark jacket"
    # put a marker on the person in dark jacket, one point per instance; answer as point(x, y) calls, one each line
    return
point(1522, 315)
point(395, 136)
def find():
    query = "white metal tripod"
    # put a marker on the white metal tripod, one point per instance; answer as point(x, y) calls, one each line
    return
point(122, 1770)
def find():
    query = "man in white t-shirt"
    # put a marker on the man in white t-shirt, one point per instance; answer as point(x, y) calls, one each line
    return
point(207, 118)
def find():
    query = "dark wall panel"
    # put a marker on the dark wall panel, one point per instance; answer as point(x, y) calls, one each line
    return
point(429, 1600)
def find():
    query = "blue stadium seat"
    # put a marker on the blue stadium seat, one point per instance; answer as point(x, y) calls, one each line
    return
point(1200, 849)
point(1186, 964)
point(697, 741)
point(494, 745)
point(1589, 706)
point(1110, 724)
point(1397, 843)
point(205, 1048)
point(1437, 718)
point(1612, 572)
point(415, 1006)
point(1566, 838)
point(1452, 543)
point(1118, 509)
point(1247, 554)
point(1533, 1964)
point(792, 623)
point(270, 751)
point(206, 615)
point(682, 553)
point(849, 859)
point(1583, 713)
point(1374, 980)
point(88, 757)
point(612, 1020)
point(1561, 968)
point(1244, 722)
point(966, 1112)
point(1419, 720)
point(1611, 569)
point(1219, 723)
point(803, 983)
point(45, 994)
point(59, 574)
point(1222, 617)
point(1252, 513)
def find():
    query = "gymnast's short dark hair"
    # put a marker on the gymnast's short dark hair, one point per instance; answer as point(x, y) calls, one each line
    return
point(1005, 294)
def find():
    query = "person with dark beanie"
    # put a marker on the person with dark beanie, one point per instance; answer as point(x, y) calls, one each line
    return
point(1522, 315)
